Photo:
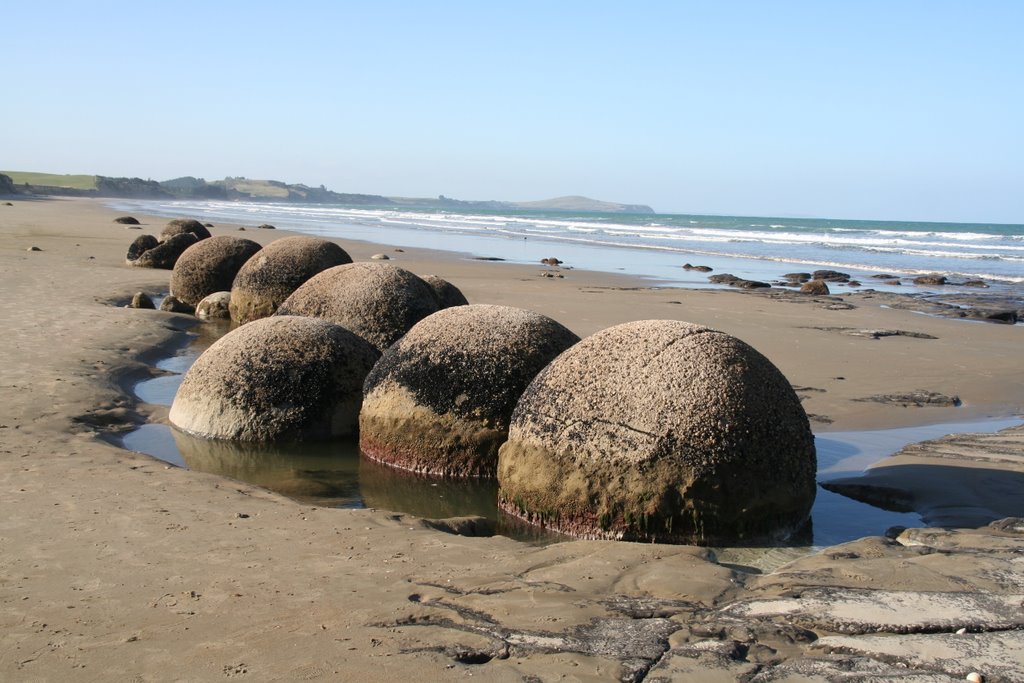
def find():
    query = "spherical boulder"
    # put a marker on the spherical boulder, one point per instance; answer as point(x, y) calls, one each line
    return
point(440, 399)
point(283, 378)
point(270, 277)
point(377, 301)
point(210, 266)
point(183, 225)
point(214, 307)
point(661, 431)
point(447, 294)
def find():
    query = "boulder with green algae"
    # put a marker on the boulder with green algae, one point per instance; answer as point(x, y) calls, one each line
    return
point(378, 301)
point(440, 399)
point(283, 378)
point(210, 266)
point(660, 431)
point(281, 267)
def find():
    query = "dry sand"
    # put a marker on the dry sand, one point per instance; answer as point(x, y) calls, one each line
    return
point(114, 566)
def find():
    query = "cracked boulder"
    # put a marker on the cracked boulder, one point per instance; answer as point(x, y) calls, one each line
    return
point(661, 431)
point(277, 379)
point(281, 267)
point(210, 266)
point(378, 301)
point(441, 398)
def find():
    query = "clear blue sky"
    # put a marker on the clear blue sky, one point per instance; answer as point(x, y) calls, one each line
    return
point(900, 110)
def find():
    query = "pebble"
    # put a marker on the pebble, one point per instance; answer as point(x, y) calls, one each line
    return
point(380, 257)
point(33, 248)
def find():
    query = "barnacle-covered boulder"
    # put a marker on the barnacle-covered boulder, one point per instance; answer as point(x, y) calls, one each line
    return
point(280, 268)
point(663, 431)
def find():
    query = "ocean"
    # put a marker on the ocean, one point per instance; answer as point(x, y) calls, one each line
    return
point(652, 245)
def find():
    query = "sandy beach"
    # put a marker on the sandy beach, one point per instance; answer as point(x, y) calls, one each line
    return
point(115, 566)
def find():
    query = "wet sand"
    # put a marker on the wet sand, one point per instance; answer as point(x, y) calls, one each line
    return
point(116, 566)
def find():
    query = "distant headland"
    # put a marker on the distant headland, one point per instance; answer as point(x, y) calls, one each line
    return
point(244, 189)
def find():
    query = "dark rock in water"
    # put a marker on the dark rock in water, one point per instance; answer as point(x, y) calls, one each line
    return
point(282, 378)
point(1007, 317)
point(184, 225)
point(210, 266)
point(749, 284)
point(894, 283)
point(214, 307)
point(173, 304)
point(127, 220)
point(930, 280)
point(377, 301)
point(815, 287)
point(165, 254)
point(853, 283)
point(440, 399)
point(141, 245)
point(723, 279)
point(448, 295)
point(141, 300)
point(660, 431)
point(830, 276)
point(980, 284)
point(699, 269)
point(281, 267)
point(552, 261)
point(266, 226)
point(487, 258)
point(886, 276)
point(797, 277)
point(919, 398)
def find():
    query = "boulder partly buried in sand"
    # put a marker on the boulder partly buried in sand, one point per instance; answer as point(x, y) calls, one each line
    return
point(282, 378)
point(441, 398)
point(210, 266)
point(377, 301)
point(280, 268)
point(815, 287)
point(448, 295)
point(661, 431)
point(184, 225)
point(161, 255)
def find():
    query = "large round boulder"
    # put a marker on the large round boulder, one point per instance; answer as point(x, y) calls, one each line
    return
point(447, 294)
point(283, 378)
point(270, 277)
point(377, 301)
point(662, 431)
point(440, 399)
point(210, 266)
point(184, 225)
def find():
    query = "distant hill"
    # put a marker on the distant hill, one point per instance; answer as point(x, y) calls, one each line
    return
point(246, 189)
point(577, 203)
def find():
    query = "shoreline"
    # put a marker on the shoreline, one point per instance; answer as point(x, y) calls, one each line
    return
point(123, 568)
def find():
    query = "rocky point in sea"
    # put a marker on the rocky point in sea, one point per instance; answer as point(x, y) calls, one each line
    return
point(664, 431)
point(440, 399)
